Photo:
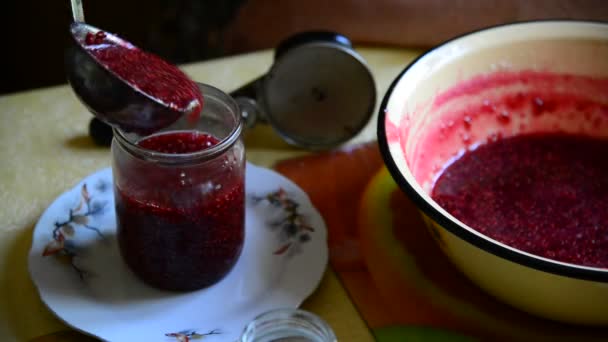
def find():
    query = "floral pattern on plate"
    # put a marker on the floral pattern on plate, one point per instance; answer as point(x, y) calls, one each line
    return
point(188, 335)
point(62, 244)
point(114, 305)
point(293, 230)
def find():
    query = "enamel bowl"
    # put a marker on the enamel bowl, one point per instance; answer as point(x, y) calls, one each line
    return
point(423, 125)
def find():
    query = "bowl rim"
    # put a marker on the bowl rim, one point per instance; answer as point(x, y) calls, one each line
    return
point(512, 254)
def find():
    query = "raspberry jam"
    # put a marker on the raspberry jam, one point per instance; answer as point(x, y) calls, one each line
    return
point(146, 72)
point(180, 227)
point(546, 194)
point(179, 142)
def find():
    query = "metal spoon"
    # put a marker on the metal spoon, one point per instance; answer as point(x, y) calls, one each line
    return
point(106, 95)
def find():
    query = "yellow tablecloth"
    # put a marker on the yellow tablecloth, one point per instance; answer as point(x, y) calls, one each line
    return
point(45, 150)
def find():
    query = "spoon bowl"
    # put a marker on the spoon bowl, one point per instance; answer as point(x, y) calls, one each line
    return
point(107, 95)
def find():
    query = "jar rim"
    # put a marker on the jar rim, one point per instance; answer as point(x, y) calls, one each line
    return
point(177, 158)
point(292, 319)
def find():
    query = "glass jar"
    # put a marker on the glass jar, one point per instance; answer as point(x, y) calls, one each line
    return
point(180, 207)
point(287, 325)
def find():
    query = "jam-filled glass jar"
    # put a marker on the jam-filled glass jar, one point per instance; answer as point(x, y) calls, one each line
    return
point(180, 197)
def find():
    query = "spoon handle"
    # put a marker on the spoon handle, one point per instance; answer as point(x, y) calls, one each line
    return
point(77, 11)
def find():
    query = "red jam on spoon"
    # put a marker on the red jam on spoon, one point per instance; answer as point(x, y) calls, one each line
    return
point(146, 72)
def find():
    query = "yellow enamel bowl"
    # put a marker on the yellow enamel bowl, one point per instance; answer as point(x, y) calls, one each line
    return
point(418, 105)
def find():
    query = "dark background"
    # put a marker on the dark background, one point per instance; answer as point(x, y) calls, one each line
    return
point(35, 32)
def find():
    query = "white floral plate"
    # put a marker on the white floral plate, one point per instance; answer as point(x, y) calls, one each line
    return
point(75, 264)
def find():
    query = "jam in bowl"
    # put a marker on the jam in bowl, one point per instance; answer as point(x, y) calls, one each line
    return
point(498, 137)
